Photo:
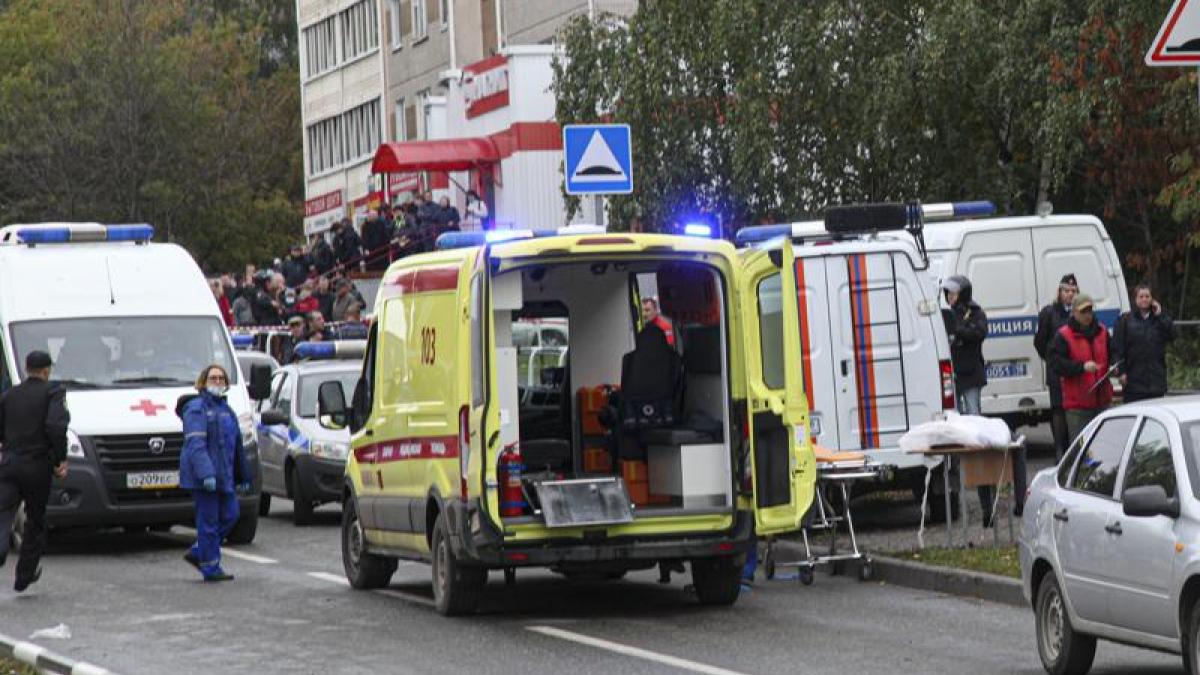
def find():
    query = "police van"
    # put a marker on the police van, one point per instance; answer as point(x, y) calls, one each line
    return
point(1015, 264)
point(129, 325)
point(656, 454)
point(874, 354)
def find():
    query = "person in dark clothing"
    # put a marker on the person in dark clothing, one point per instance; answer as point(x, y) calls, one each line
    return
point(324, 297)
point(966, 328)
point(1051, 319)
point(1141, 338)
point(213, 466)
point(321, 255)
point(33, 425)
point(295, 268)
point(268, 310)
point(347, 247)
point(375, 240)
point(1081, 353)
point(449, 217)
point(429, 213)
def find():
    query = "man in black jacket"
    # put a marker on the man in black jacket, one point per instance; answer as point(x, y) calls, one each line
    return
point(375, 238)
point(321, 254)
point(1050, 320)
point(1140, 340)
point(347, 247)
point(33, 425)
point(295, 268)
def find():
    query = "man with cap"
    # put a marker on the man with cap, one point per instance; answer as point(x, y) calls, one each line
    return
point(296, 335)
point(33, 426)
point(1080, 354)
point(1050, 320)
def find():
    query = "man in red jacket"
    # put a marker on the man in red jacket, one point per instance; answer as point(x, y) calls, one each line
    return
point(1081, 355)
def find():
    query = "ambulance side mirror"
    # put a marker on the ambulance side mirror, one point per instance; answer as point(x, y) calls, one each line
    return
point(331, 405)
point(260, 382)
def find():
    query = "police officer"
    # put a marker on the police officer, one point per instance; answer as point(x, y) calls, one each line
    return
point(1051, 319)
point(33, 424)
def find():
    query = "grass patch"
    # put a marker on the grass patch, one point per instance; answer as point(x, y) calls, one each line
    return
point(9, 666)
point(1002, 560)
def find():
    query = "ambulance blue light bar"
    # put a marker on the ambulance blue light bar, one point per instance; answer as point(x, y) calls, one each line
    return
point(242, 341)
point(698, 230)
point(929, 213)
point(84, 232)
point(334, 349)
point(452, 240)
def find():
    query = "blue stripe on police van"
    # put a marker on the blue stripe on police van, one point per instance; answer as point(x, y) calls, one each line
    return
point(1016, 326)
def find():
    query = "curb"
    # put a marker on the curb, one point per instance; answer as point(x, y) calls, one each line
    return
point(969, 584)
point(45, 660)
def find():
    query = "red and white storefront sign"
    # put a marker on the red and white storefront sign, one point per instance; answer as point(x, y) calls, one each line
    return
point(485, 86)
point(322, 210)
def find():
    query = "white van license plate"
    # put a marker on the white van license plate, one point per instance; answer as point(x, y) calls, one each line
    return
point(152, 480)
point(1001, 370)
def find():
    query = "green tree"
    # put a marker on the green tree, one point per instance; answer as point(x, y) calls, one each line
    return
point(126, 111)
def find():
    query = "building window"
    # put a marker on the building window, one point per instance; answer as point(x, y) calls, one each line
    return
point(360, 32)
point(401, 129)
point(320, 47)
point(410, 122)
point(397, 39)
point(420, 27)
point(346, 138)
point(445, 13)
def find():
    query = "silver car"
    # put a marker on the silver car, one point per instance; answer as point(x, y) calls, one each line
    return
point(1110, 538)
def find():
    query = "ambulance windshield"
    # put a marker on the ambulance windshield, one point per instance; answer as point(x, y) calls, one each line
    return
point(127, 352)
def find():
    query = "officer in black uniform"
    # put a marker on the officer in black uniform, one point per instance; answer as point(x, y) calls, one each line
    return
point(33, 426)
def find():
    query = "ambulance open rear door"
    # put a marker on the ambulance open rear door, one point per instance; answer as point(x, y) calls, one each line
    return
point(780, 453)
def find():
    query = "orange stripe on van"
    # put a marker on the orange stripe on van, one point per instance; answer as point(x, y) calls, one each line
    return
point(805, 338)
point(864, 355)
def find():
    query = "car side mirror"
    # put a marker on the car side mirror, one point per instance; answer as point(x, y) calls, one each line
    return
point(1148, 501)
point(275, 417)
point(260, 382)
point(331, 405)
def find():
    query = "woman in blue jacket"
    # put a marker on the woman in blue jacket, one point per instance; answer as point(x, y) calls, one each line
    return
point(213, 466)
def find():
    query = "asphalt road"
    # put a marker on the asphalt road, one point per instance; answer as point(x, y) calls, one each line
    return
point(134, 606)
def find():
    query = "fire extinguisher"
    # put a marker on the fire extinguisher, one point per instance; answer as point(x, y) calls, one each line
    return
point(512, 498)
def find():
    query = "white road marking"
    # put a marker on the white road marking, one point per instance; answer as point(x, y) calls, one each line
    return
point(407, 597)
point(233, 552)
point(635, 652)
point(332, 578)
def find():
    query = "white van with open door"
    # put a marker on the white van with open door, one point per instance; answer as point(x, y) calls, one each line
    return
point(1014, 265)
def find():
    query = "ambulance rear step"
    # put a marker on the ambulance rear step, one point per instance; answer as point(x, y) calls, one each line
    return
point(583, 501)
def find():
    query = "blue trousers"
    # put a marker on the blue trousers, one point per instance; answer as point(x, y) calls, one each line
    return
point(216, 514)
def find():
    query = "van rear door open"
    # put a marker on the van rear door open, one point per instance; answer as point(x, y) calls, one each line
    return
point(777, 407)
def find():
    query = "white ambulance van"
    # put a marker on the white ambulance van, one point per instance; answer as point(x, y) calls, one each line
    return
point(129, 325)
point(875, 357)
point(1015, 264)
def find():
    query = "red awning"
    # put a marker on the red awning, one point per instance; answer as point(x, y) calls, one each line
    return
point(451, 154)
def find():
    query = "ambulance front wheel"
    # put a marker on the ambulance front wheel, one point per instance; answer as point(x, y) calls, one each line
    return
point(364, 570)
point(456, 587)
point(245, 529)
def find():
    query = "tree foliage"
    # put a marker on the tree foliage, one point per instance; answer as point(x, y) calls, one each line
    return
point(167, 112)
point(755, 110)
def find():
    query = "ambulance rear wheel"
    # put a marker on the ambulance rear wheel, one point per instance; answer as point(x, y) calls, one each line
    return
point(456, 587)
point(717, 580)
point(364, 570)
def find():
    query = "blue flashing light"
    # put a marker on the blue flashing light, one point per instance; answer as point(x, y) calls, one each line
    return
point(760, 233)
point(49, 235)
point(242, 341)
point(451, 240)
point(498, 236)
point(140, 232)
point(973, 209)
point(315, 350)
point(698, 230)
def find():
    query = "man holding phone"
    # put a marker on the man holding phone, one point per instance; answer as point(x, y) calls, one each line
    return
point(1141, 338)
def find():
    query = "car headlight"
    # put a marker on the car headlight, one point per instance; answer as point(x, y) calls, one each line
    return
point(74, 445)
point(335, 450)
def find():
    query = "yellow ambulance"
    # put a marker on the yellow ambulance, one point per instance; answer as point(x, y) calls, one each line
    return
point(670, 428)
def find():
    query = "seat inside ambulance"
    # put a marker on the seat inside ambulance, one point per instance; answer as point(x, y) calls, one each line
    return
point(617, 399)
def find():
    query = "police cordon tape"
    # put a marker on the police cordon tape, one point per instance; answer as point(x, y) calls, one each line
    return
point(45, 660)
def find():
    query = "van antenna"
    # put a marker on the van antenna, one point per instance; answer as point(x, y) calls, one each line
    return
point(112, 298)
point(916, 228)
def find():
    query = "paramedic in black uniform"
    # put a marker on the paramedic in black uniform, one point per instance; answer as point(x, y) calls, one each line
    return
point(33, 426)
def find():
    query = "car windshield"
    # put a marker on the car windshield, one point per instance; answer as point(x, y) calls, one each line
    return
point(126, 352)
point(307, 405)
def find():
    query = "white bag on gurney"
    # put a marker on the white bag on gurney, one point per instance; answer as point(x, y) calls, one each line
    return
point(972, 431)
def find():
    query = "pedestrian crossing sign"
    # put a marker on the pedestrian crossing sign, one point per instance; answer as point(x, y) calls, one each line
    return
point(598, 159)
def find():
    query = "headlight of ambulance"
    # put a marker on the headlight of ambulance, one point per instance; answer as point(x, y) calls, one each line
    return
point(74, 445)
point(335, 450)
